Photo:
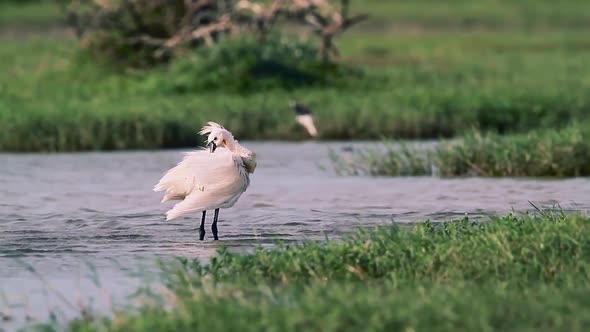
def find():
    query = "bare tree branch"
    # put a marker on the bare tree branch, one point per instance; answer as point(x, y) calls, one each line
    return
point(192, 23)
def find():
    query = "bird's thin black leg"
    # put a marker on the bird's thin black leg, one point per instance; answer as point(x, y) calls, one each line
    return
point(202, 227)
point(214, 226)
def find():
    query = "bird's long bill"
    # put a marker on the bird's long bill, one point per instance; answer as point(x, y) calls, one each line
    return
point(212, 146)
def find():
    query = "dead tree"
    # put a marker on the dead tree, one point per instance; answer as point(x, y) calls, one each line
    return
point(328, 26)
point(159, 29)
point(263, 16)
point(179, 23)
point(305, 6)
point(198, 26)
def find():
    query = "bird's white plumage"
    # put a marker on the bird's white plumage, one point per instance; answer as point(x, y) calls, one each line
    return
point(307, 122)
point(208, 181)
point(204, 181)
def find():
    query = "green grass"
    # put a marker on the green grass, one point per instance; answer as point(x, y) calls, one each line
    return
point(29, 14)
point(417, 83)
point(542, 153)
point(490, 14)
point(346, 307)
point(510, 274)
point(51, 99)
point(419, 16)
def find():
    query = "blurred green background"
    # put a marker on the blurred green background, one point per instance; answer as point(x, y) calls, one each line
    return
point(421, 69)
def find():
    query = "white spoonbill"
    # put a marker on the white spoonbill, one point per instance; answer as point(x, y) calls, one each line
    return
point(209, 180)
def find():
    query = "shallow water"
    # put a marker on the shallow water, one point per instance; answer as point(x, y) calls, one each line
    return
point(67, 214)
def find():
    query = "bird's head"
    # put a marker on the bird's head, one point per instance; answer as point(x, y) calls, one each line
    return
point(217, 136)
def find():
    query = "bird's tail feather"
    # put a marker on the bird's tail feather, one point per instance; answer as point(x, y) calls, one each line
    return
point(192, 203)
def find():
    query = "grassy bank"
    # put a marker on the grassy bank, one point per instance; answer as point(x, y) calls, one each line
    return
point(487, 14)
point(541, 153)
point(51, 100)
point(510, 274)
point(425, 77)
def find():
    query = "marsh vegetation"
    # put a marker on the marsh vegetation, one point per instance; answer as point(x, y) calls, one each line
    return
point(500, 86)
point(512, 273)
point(538, 153)
point(413, 71)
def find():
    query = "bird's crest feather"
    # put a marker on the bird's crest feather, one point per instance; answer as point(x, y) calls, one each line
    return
point(210, 127)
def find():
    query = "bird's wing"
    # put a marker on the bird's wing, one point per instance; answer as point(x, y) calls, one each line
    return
point(307, 122)
point(205, 181)
point(179, 181)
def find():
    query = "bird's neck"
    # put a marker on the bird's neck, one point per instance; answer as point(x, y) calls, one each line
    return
point(234, 146)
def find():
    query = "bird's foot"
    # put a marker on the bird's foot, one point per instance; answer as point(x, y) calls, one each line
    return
point(202, 234)
point(214, 231)
point(214, 225)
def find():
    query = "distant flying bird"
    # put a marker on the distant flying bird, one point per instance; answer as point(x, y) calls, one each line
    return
point(206, 180)
point(304, 117)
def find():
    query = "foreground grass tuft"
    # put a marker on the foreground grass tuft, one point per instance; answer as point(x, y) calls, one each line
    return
point(509, 274)
point(509, 249)
point(543, 153)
